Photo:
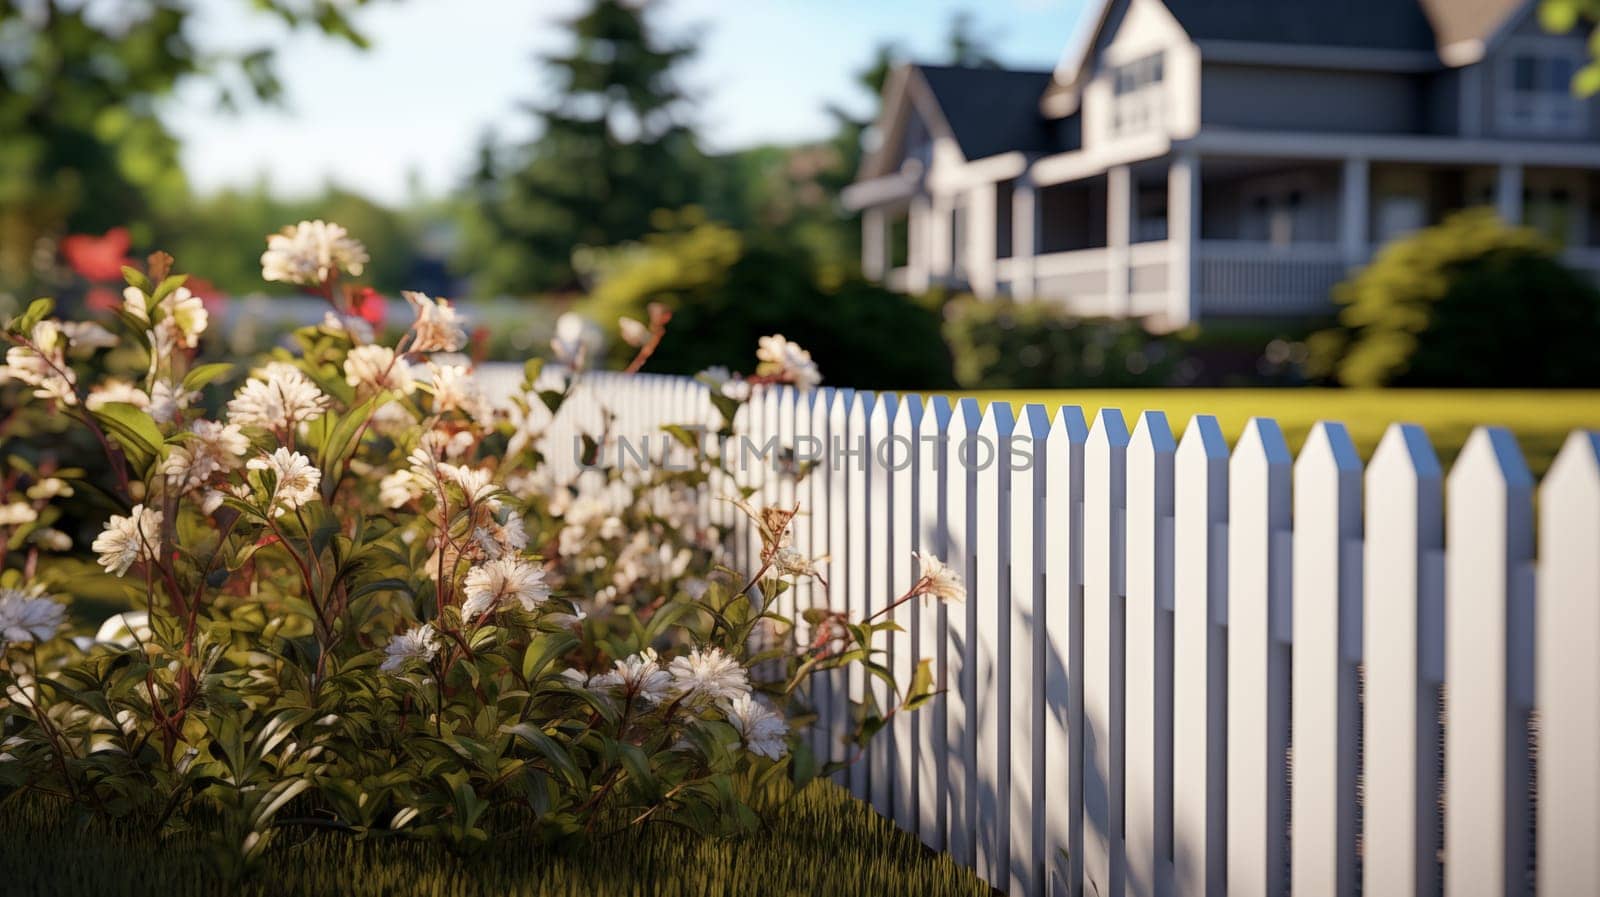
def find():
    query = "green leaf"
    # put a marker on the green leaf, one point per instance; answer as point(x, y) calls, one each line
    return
point(136, 278)
point(920, 691)
point(38, 310)
point(205, 374)
point(544, 649)
point(165, 288)
point(134, 429)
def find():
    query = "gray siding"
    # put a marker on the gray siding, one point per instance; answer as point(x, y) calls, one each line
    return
point(1494, 70)
point(1294, 99)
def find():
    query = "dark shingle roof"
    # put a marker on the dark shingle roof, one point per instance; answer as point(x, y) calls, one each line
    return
point(991, 111)
point(1379, 24)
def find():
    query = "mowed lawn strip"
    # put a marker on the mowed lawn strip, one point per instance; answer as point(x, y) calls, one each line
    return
point(1540, 419)
point(823, 842)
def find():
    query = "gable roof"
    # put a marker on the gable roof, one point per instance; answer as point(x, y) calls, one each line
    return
point(990, 111)
point(1371, 24)
point(1455, 30)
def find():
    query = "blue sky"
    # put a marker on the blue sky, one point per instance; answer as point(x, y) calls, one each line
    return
point(442, 71)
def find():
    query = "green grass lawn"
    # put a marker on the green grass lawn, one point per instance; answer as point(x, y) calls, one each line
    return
point(1541, 419)
point(824, 842)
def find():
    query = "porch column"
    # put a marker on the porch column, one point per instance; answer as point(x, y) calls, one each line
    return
point(1119, 233)
point(1353, 215)
point(1508, 193)
point(917, 245)
point(1023, 227)
point(874, 244)
point(1183, 238)
point(980, 240)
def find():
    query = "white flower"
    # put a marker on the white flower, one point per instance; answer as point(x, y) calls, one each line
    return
point(167, 401)
point(938, 579)
point(17, 513)
point(354, 326)
point(506, 579)
point(476, 484)
point(454, 389)
point(498, 538)
point(125, 630)
point(276, 398)
point(135, 304)
point(762, 731)
point(187, 313)
point(709, 673)
point(786, 361)
point(371, 368)
point(48, 488)
point(88, 335)
point(296, 478)
point(51, 539)
point(43, 365)
point(639, 676)
point(116, 390)
point(419, 643)
point(125, 540)
point(633, 332)
point(310, 253)
point(576, 339)
point(737, 389)
point(400, 488)
point(437, 327)
point(214, 447)
point(26, 616)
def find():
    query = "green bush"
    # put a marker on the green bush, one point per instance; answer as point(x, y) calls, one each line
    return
point(726, 290)
point(1468, 303)
point(1002, 344)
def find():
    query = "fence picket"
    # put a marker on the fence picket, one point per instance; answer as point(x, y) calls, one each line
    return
point(933, 537)
point(907, 648)
point(1489, 666)
point(1569, 670)
point(856, 547)
point(839, 531)
point(1327, 632)
point(820, 479)
point(961, 621)
point(1149, 657)
point(1028, 550)
point(1258, 662)
point(990, 598)
point(875, 595)
point(1403, 645)
point(1200, 661)
point(1105, 501)
point(1063, 651)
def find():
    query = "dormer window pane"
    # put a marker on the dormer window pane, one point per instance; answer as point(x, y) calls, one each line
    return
point(1136, 95)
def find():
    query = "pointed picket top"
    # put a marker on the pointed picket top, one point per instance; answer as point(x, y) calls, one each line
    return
point(1069, 420)
point(998, 419)
point(938, 411)
point(1492, 452)
point(1202, 444)
point(1488, 661)
point(1262, 438)
point(1034, 423)
point(1153, 433)
point(1328, 446)
point(965, 417)
point(1404, 452)
point(907, 421)
point(1569, 670)
point(883, 411)
point(1109, 429)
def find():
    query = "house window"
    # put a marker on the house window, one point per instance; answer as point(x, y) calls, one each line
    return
point(1137, 95)
point(1535, 95)
point(1004, 207)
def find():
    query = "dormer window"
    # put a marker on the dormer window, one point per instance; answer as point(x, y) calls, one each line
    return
point(1535, 95)
point(1137, 95)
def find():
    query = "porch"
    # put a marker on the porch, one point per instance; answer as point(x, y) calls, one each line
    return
point(1155, 239)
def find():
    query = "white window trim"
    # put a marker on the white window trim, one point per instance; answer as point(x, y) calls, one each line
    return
point(1544, 122)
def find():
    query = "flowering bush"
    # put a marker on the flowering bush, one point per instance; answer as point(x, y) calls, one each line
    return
point(363, 602)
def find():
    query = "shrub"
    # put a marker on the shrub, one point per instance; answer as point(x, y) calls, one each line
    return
point(1468, 303)
point(725, 291)
point(365, 603)
point(1003, 344)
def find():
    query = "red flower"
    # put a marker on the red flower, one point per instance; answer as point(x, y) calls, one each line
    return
point(98, 258)
point(370, 306)
point(103, 299)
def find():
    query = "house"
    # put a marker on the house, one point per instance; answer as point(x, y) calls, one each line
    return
point(1205, 158)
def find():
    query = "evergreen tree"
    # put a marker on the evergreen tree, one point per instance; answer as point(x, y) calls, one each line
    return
point(612, 147)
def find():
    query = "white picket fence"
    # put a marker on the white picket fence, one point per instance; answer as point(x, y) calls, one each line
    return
point(1193, 671)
